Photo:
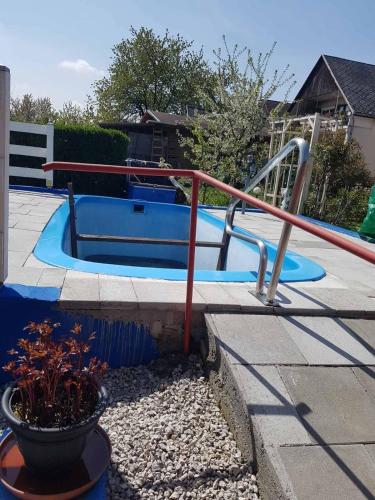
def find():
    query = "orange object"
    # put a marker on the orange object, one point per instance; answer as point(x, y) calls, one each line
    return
point(64, 485)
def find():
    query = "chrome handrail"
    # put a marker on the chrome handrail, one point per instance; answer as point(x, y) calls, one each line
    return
point(263, 257)
point(303, 155)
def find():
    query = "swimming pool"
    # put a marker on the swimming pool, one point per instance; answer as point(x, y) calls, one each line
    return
point(98, 215)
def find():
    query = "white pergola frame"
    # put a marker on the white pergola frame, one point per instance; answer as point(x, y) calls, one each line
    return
point(281, 132)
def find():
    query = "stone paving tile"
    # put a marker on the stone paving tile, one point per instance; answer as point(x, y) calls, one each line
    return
point(332, 404)
point(244, 296)
point(291, 297)
point(217, 296)
point(156, 294)
point(343, 299)
point(256, 339)
point(52, 277)
point(329, 473)
point(80, 290)
point(116, 292)
point(23, 209)
point(370, 449)
point(327, 341)
point(32, 261)
point(14, 205)
point(12, 220)
point(328, 281)
point(21, 240)
point(297, 244)
point(270, 405)
point(30, 226)
point(364, 327)
point(17, 259)
point(366, 377)
point(23, 275)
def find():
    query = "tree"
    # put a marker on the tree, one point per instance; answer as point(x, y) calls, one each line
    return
point(149, 71)
point(28, 109)
point(73, 114)
point(235, 116)
point(40, 110)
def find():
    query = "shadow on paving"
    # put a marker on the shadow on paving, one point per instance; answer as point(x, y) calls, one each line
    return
point(303, 410)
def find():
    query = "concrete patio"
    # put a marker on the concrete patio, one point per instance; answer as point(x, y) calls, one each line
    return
point(352, 280)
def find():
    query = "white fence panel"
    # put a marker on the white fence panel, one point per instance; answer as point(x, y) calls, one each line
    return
point(4, 176)
point(47, 152)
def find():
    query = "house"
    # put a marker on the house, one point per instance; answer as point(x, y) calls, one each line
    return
point(345, 89)
point(156, 136)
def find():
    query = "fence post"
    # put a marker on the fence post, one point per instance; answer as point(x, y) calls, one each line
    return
point(49, 146)
point(4, 169)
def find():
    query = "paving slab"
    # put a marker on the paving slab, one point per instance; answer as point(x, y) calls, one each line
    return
point(329, 341)
point(243, 295)
point(21, 240)
point(364, 327)
point(116, 292)
point(32, 261)
point(17, 259)
point(25, 275)
point(52, 277)
point(370, 448)
point(157, 294)
point(270, 405)
point(80, 290)
point(366, 377)
point(217, 296)
point(332, 404)
point(329, 473)
point(250, 339)
point(343, 300)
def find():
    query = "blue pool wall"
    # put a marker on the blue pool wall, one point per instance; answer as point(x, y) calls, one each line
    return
point(117, 342)
point(113, 216)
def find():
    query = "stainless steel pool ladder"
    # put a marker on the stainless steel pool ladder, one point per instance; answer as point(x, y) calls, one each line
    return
point(303, 154)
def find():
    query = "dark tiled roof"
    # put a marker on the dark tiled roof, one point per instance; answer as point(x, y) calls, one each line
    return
point(270, 105)
point(357, 82)
point(168, 118)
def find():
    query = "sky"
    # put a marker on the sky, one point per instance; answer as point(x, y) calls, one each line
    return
point(58, 48)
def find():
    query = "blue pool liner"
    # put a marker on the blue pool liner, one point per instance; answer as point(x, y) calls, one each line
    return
point(49, 249)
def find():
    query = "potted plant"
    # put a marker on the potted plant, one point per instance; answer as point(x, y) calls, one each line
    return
point(56, 400)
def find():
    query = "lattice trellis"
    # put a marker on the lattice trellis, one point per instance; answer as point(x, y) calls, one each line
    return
point(278, 183)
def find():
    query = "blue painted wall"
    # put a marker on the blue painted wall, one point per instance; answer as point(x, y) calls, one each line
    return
point(117, 342)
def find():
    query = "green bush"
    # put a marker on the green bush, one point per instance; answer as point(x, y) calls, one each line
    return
point(90, 144)
point(340, 183)
point(347, 208)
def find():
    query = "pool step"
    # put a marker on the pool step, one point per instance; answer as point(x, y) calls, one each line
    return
point(299, 394)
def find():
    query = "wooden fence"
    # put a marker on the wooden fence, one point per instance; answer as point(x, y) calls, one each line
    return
point(43, 152)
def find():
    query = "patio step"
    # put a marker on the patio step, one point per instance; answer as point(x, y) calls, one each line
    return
point(299, 394)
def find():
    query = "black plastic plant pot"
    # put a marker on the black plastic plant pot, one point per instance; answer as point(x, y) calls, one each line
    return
point(48, 449)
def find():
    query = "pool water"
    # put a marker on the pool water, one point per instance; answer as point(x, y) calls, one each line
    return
point(98, 215)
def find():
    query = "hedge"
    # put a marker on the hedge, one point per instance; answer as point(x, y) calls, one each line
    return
point(90, 144)
point(82, 144)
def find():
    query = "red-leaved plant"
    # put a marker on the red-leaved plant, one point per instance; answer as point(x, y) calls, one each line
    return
point(55, 386)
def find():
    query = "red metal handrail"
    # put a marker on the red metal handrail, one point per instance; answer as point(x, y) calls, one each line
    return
point(198, 176)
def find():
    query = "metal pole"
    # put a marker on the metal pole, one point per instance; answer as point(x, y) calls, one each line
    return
point(191, 260)
point(285, 234)
point(4, 169)
point(72, 219)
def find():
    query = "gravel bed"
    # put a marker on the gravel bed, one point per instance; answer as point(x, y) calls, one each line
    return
point(169, 438)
